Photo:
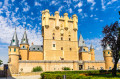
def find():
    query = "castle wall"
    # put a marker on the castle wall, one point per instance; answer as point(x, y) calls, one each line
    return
point(27, 66)
point(86, 56)
point(97, 65)
point(35, 55)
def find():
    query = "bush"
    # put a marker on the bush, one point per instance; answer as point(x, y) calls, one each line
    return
point(37, 69)
point(66, 68)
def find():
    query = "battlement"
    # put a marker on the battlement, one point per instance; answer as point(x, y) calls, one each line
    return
point(57, 18)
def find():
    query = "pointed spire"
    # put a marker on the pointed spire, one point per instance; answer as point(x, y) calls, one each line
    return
point(81, 41)
point(24, 40)
point(91, 47)
point(14, 41)
point(107, 47)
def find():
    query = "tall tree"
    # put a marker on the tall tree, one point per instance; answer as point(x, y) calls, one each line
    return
point(112, 37)
point(1, 62)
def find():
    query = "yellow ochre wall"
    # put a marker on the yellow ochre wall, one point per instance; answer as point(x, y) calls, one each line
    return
point(35, 55)
point(61, 27)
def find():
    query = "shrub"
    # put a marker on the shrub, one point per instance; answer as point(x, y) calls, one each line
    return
point(37, 69)
point(66, 68)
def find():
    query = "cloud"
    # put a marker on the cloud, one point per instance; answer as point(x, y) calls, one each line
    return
point(60, 8)
point(78, 5)
point(91, 15)
point(12, 0)
point(103, 4)
point(101, 20)
point(110, 2)
point(16, 9)
point(79, 10)
point(93, 3)
point(96, 18)
point(54, 2)
point(96, 42)
point(70, 10)
point(37, 3)
point(26, 8)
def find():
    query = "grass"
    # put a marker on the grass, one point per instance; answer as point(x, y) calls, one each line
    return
point(80, 75)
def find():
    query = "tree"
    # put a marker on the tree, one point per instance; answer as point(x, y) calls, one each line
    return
point(1, 62)
point(112, 37)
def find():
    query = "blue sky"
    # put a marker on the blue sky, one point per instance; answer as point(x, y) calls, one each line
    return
point(93, 15)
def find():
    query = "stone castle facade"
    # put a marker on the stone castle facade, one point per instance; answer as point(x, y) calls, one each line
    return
point(61, 48)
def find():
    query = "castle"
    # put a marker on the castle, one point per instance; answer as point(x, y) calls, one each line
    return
point(61, 48)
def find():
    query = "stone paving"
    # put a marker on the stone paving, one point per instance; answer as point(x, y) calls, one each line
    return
point(23, 77)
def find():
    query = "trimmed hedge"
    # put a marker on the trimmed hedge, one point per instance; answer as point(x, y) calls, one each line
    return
point(93, 74)
point(37, 69)
point(66, 68)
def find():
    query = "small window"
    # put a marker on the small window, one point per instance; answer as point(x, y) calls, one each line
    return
point(23, 46)
point(70, 49)
point(83, 41)
point(33, 48)
point(38, 48)
point(53, 33)
point(61, 38)
point(53, 38)
point(69, 39)
point(108, 52)
point(88, 67)
point(53, 45)
point(83, 49)
point(10, 49)
point(61, 48)
point(13, 40)
point(14, 49)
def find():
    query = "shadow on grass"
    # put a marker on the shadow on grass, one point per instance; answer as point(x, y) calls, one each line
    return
point(105, 75)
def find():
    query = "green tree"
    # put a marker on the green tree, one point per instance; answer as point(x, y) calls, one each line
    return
point(112, 37)
point(1, 62)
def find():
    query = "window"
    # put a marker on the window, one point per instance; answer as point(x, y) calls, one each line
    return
point(61, 38)
point(10, 49)
point(108, 52)
point(13, 40)
point(88, 67)
point(69, 39)
point(83, 41)
point(53, 33)
point(70, 49)
point(53, 38)
point(93, 67)
point(53, 45)
point(33, 48)
point(61, 48)
point(38, 48)
point(23, 46)
point(83, 49)
point(14, 49)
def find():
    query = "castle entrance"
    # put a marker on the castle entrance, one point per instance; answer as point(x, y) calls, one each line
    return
point(80, 67)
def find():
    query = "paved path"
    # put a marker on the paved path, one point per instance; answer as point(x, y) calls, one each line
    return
point(24, 77)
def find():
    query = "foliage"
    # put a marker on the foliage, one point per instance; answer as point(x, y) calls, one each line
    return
point(37, 69)
point(66, 68)
point(1, 62)
point(93, 74)
point(112, 37)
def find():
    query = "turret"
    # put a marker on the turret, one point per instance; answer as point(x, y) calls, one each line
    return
point(66, 21)
point(47, 15)
point(75, 21)
point(107, 54)
point(92, 53)
point(14, 54)
point(57, 20)
point(24, 47)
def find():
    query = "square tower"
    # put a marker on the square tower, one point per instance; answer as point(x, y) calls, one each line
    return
point(59, 36)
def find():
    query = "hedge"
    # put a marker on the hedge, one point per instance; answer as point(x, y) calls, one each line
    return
point(37, 69)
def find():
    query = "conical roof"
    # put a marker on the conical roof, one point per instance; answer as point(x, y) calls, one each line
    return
point(14, 41)
point(91, 47)
point(81, 41)
point(107, 47)
point(24, 39)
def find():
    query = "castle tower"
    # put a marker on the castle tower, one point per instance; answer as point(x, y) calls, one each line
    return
point(13, 54)
point(24, 47)
point(92, 53)
point(59, 37)
point(84, 54)
point(107, 54)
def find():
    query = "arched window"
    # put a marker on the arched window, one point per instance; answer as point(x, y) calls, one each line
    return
point(14, 49)
point(53, 38)
point(83, 49)
point(23, 46)
point(61, 38)
point(108, 52)
point(61, 48)
point(69, 39)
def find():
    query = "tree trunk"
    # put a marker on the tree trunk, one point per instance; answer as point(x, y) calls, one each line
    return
point(114, 70)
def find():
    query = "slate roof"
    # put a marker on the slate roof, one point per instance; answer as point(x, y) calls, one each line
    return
point(36, 48)
point(81, 41)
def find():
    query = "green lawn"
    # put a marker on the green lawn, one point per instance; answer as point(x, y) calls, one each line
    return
point(80, 75)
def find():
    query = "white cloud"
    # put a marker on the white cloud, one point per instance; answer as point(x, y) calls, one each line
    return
point(70, 10)
point(12, 0)
point(96, 18)
point(96, 42)
point(91, 15)
point(78, 5)
point(101, 20)
point(93, 3)
point(110, 2)
point(0, 4)
point(54, 2)
point(37, 3)
point(103, 4)
point(26, 8)
point(16, 9)
point(79, 10)
point(60, 8)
